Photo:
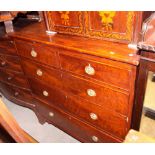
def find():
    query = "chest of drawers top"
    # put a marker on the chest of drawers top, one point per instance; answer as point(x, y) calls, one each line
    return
point(36, 33)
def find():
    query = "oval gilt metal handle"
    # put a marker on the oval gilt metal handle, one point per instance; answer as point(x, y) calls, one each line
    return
point(51, 114)
point(93, 116)
point(45, 93)
point(11, 42)
point(39, 72)
point(94, 138)
point(16, 94)
point(91, 92)
point(3, 63)
point(9, 78)
point(89, 70)
point(33, 53)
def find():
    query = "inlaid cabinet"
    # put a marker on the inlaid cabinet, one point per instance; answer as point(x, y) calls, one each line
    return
point(120, 26)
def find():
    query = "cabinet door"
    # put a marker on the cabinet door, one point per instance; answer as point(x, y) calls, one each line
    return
point(70, 22)
point(116, 25)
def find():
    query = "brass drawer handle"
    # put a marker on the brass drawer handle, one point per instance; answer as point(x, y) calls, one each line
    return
point(89, 70)
point(9, 78)
point(91, 92)
point(51, 114)
point(94, 138)
point(3, 63)
point(39, 72)
point(33, 53)
point(11, 42)
point(93, 116)
point(16, 94)
point(45, 93)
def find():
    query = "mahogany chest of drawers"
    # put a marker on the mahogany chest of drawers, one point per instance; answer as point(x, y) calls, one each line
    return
point(83, 86)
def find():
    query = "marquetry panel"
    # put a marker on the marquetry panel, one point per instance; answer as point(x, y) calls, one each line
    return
point(66, 21)
point(118, 25)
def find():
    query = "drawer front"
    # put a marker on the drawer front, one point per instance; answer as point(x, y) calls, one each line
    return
point(38, 52)
point(107, 97)
point(49, 76)
point(17, 79)
point(17, 93)
point(73, 126)
point(10, 62)
point(104, 71)
point(7, 47)
point(48, 94)
point(99, 117)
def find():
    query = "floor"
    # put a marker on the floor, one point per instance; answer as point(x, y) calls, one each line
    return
point(42, 133)
point(147, 126)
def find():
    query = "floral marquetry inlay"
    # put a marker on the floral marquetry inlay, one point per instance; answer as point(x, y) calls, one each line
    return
point(113, 25)
point(64, 17)
point(69, 22)
point(107, 19)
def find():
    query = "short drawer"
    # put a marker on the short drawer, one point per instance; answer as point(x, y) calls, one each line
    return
point(76, 128)
point(38, 52)
point(14, 78)
point(108, 71)
point(18, 94)
point(10, 62)
point(7, 47)
point(103, 95)
point(47, 93)
point(46, 75)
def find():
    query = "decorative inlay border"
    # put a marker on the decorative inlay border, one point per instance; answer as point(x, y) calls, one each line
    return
point(112, 35)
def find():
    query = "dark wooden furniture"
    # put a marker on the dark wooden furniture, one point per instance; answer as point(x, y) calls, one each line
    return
point(147, 63)
point(81, 85)
point(8, 16)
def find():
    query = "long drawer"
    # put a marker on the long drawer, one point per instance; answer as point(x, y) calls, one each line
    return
point(99, 117)
point(18, 94)
point(78, 129)
point(108, 71)
point(107, 97)
point(38, 52)
point(14, 78)
point(106, 119)
point(10, 62)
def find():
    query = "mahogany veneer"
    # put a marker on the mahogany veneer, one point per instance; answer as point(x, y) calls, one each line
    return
point(14, 78)
point(83, 86)
point(10, 63)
